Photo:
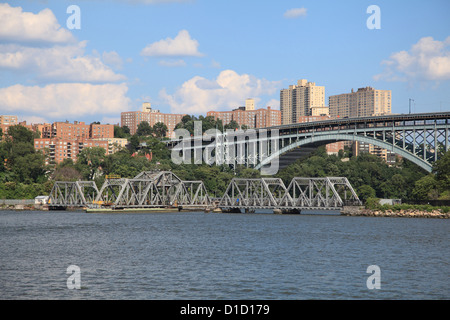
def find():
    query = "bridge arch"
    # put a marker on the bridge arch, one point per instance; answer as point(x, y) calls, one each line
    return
point(346, 137)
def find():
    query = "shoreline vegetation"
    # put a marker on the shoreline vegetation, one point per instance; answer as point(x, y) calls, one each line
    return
point(402, 213)
point(373, 208)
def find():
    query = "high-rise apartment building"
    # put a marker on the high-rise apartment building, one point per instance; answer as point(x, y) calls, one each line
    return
point(260, 118)
point(300, 100)
point(132, 119)
point(365, 102)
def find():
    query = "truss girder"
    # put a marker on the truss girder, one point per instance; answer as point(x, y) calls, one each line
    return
point(420, 138)
point(150, 189)
point(73, 193)
point(302, 193)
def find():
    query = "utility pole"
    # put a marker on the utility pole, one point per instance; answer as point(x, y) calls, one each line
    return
point(410, 105)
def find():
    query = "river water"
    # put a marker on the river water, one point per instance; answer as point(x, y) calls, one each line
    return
point(197, 256)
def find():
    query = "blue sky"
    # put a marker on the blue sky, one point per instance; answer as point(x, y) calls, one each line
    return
point(196, 55)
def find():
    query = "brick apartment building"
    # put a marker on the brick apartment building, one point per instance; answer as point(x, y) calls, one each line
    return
point(132, 119)
point(64, 140)
point(260, 118)
point(58, 149)
point(6, 122)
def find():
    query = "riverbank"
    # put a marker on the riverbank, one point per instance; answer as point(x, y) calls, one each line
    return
point(411, 213)
point(346, 211)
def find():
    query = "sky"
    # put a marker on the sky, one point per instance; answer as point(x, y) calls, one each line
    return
point(91, 60)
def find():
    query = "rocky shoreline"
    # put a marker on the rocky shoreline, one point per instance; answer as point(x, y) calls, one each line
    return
point(21, 207)
point(437, 214)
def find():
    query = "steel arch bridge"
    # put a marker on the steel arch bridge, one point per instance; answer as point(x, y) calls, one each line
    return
point(420, 138)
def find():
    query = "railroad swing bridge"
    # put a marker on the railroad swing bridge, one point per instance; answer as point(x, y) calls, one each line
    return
point(161, 189)
point(420, 138)
point(329, 193)
point(165, 190)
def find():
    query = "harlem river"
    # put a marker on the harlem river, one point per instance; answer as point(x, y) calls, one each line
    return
point(213, 256)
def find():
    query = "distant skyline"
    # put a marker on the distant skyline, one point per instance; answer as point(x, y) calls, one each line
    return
point(195, 56)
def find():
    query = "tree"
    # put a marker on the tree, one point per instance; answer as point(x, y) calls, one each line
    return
point(19, 160)
point(89, 161)
point(232, 125)
point(66, 171)
point(29, 168)
point(160, 129)
point(134, 143)
point(425, 188)
point(441, 169)
point(144, 129)
point(126, 130)
point(365, 192)
point(121, 132)
point(187, 122)
point(20, 133)
point(66, 174)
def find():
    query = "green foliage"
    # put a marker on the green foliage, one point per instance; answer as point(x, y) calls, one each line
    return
point(441, 169)
point(89, 161)
point(15, 190)
point(134, 143)
point(366, 192)
point(372, 203)
point(188, 123)
point(160, 130)
point(425, 188)
point(121, 132)
point(144, 129)
point(19, 162)
point(232, 125)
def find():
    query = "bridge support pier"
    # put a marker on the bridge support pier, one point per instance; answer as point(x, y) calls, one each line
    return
point(232, 210)
point(287, 211)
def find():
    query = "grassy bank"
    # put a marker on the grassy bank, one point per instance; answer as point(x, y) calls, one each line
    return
point(374, 209)
point(374, 204)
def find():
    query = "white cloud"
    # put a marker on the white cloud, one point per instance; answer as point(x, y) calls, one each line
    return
point(181, 46)
point(36, 44)
point(64, 100)
point(274, 104)
point(113, 59)
point(20, 26)
point(229, 90)
point(33, 119)
point(61, 63)
point(428, 59)
point(110, 120)
point(295, 13)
